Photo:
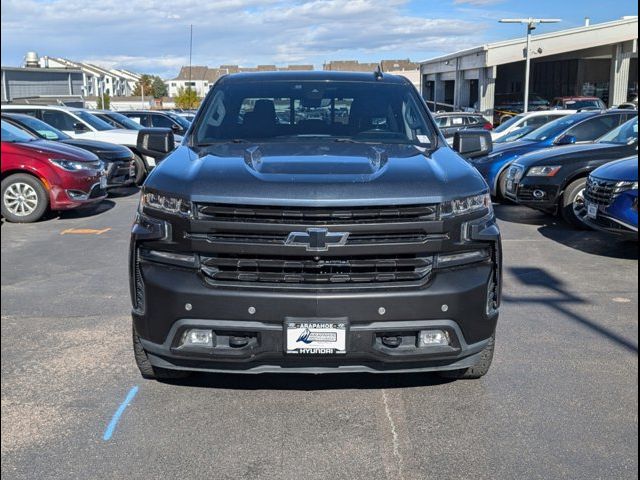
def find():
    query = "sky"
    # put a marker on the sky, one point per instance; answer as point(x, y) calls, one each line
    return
point(152, 36)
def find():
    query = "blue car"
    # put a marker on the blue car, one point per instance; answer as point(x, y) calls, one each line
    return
point(582, 127)
point(611, 198)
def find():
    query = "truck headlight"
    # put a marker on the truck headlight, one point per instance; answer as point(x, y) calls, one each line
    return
point(547, 171)
point(625, 186)
point(165, 203)
point(464, 206)
point(76, 166)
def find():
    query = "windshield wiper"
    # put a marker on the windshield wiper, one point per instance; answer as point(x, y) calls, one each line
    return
point(222, 142)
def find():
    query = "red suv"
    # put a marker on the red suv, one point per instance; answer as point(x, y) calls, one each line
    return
point(38, 175)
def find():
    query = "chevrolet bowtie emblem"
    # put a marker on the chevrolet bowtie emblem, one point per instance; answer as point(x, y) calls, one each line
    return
point(317, 239)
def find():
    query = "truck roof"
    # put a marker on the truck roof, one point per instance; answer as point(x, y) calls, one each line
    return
point(313, 76)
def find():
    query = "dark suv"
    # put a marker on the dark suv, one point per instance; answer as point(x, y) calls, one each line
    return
point(281, 237)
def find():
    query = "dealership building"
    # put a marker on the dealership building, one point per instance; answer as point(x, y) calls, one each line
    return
point(599, 59)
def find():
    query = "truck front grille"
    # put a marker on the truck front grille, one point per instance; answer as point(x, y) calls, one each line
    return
point(316, 215)
point(325, 270)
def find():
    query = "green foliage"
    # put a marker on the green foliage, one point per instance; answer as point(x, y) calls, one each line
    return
point(187, 98)
point(158, 87)
point(107, 101)
point(146, 82)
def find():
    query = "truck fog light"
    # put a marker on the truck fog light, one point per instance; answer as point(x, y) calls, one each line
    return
point(433, 337)
point(197, 337)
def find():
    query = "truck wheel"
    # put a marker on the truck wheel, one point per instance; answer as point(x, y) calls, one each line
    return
point(24, 198)
point(570, 203)
point(480, 369)
point(140, 169)
point(149, 371)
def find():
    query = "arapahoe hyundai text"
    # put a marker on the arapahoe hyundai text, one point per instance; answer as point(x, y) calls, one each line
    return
point(314, 222)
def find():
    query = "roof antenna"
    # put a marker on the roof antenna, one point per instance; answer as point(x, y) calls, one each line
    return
point(377, 73)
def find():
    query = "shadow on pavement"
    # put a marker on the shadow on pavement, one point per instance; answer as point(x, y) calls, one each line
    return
point(123, 192)
point(86, 212)
point(537, 277)
point(309, 382)
point(553, 228)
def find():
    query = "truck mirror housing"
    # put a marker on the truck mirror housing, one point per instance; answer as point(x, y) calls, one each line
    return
point(472, 143)
point(156, 142)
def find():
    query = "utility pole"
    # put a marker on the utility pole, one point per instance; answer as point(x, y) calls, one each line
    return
point(531, 24)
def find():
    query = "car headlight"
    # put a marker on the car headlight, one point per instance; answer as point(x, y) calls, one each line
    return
point(546, 171)
point(464, 206)
point(75, 166)
point(165, 203)
point(624, 186)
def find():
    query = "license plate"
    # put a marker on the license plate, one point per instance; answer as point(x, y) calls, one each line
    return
point(592, 210)
point(316, 338)
point(103, 182)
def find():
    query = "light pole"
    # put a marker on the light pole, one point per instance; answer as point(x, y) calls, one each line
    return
point(531, 24)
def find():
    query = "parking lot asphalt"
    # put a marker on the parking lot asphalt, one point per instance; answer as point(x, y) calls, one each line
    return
point(560, 401)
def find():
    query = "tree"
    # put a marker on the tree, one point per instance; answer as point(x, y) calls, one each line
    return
point(187, 98)
point(158, 87)
point(107, 101)
point(146, 82)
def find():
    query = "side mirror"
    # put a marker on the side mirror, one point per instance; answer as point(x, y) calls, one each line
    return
point(80, 127)
point(176, 128)
point(566, 140)
point(472, 143)
point(155, 142)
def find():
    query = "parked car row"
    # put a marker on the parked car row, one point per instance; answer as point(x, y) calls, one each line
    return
point(51, 156)
point(561, 169)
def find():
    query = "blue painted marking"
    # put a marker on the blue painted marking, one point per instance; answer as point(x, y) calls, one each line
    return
point(108, 433)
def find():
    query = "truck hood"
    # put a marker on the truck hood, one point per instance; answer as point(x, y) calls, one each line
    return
point(316, 174)
point(625, 170)
point(118, 136)
point(574, 154)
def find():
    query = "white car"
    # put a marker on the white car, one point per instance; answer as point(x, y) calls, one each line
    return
point(81, 123)
point(525, 123)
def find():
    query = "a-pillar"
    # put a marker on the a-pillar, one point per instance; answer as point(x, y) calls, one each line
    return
point(619, 76)
point(487, 92)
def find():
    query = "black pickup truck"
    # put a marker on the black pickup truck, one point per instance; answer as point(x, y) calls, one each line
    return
point(314, 222)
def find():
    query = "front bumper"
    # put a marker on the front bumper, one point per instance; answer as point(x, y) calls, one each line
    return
point(120, 173)
point(535, 192)
point(168, 289)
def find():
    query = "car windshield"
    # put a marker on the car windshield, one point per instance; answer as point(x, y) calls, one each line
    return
point(578, 104)
point(11, 133)
point(302, 110)
point(123, 121)
point(183, 122)
point(92, 120)
point(625, 134)
point(553, 128)
point(43, 129)
point(507, 124)
point(515, 135)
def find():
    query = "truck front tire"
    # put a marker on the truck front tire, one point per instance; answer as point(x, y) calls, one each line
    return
point(479, 370)
point(147, 370)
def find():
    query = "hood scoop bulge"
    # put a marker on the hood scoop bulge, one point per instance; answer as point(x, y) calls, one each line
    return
point(369, 161)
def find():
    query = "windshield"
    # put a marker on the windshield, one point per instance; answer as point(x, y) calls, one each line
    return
point(505, 125)
point(515, 135)
point(92, 120)
point(553, 128)
point(625, 134)
point(122, 121)
point(183, 122)
point(578, 104)
point(299, 110)
point(11, 133)
point(43, 129)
